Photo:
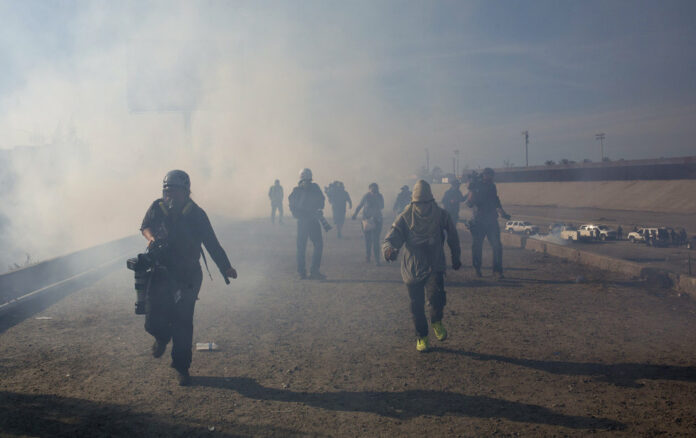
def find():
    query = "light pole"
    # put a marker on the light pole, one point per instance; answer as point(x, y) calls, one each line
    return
point(427, 160)
point(526, 147)
point(601, 137)
point(456, 154)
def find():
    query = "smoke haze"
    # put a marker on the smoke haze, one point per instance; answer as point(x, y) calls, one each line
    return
point(101, 99)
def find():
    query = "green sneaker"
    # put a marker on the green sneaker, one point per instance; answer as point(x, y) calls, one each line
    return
point(422, 344)
point(440, 331)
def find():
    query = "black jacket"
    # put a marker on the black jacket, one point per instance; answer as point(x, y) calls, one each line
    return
point(306, 200)
point(184, 233)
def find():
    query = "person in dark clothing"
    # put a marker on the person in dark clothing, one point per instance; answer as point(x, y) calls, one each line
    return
point(275, 194)
point(338, 198)
point(483, 199)
point(682, 237)
point(619, 233)
point(451, 200)
point(371, 204)
point(181, 226)
point(422, 229)
point(306, 204)
point(402, 200)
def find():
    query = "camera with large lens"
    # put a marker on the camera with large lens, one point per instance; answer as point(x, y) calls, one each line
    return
point(142, 266)
point(324, 223)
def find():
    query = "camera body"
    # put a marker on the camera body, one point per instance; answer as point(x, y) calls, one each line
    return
point(142, 266)
point(324, 223)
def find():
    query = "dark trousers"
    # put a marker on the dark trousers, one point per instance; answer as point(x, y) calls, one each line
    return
point(170, 306)
point(434, 289)
point(479, 231)
point(454, 215)
point(278, 207)
point(309, 229)
point(372, 242)
point(339, 218)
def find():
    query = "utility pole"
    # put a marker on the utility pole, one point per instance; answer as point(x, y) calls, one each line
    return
point(600, 137)
point(456, 154)
point(526, 147)
point(427, 160)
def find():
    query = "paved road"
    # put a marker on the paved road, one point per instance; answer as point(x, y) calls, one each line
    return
point(555, 349)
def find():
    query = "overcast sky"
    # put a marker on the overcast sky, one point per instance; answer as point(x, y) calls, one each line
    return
point(467, 75)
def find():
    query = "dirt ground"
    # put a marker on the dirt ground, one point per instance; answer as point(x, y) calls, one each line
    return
point(555, 349)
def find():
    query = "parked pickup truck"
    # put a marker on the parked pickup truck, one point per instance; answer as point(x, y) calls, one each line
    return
point(557, 227)
point(521, 227)
point(652, 236)
point(570, 233)
point(590, 231)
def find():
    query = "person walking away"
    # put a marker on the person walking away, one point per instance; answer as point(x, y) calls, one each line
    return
point(422, 229)
point(402, 200)
point(451, 200)
point(275, 194)
point(483, 199)
point(306, 205)
point(371, 204)
point(338, 199)
point(178, 226)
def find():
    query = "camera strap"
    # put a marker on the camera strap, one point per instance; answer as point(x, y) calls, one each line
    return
point(205, 262)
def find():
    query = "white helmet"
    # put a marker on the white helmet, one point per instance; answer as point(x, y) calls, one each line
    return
point(305, 174)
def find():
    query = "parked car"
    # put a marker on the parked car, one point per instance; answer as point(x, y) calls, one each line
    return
point(650, 235)
point(557, 227)
point(569, 233)
point(590, 231)
point(521, 227)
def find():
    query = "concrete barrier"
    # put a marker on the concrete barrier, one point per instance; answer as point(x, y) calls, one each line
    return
point(654, 276)
point(16, 284)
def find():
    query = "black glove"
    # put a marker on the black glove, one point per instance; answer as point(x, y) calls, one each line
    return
point(456, 264)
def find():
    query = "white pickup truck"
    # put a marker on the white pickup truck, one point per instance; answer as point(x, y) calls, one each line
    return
point(569, 233)
point(521, 227)
point(652, 236)
point(591, 231)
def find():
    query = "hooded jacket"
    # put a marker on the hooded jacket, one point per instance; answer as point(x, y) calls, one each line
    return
point(422, 229)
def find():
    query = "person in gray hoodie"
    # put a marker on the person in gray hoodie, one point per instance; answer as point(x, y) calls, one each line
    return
point(422, 229)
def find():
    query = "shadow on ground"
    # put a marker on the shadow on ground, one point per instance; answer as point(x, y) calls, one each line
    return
point(54, 416)
point(621, 374)
point(409, 404)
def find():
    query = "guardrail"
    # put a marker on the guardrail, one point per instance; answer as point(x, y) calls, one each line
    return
point(17, 285)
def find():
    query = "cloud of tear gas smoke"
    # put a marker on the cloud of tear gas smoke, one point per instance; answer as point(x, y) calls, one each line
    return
point(166, 91)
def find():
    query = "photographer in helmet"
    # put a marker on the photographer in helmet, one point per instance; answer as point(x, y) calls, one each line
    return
point(306, 204)
point(483, 199)
point(173, 289)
